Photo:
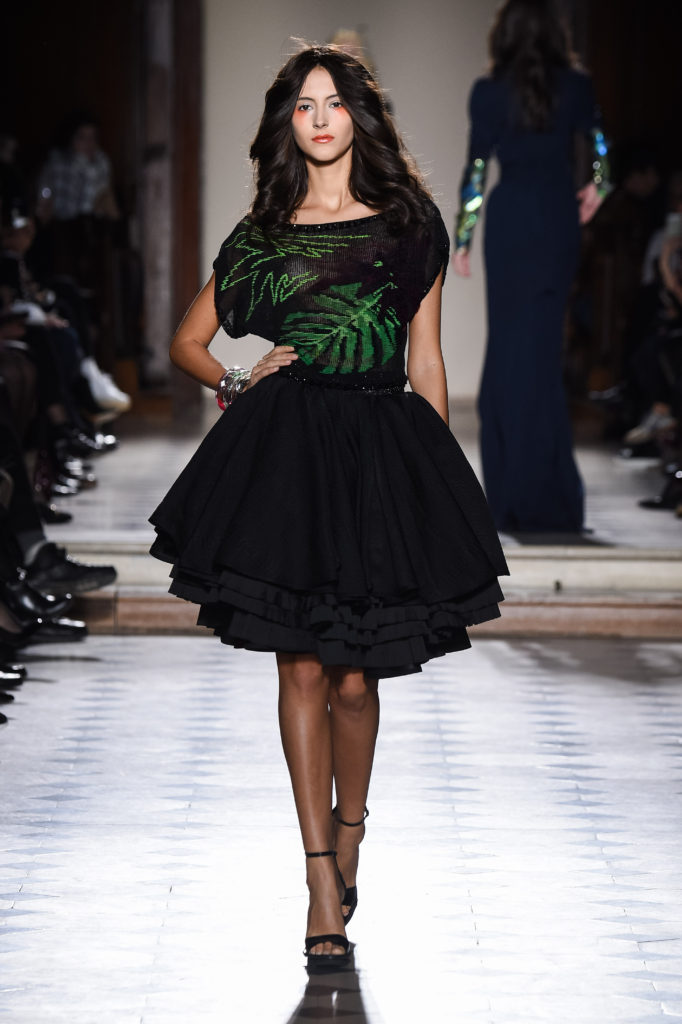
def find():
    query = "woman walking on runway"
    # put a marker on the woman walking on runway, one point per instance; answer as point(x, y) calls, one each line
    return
point(527, 113)
point(329, 516)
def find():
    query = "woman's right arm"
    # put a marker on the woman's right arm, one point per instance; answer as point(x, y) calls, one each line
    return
point(593, 194)
point(472, 185)
point(189, 347)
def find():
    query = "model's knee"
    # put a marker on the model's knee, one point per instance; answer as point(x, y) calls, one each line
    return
point(352, 692)
point(301, 677)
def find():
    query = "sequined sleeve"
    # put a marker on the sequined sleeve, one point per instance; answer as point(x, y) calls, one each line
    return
point(471, 199)
point(601, 165)
point(588, 121)
point(484, 130)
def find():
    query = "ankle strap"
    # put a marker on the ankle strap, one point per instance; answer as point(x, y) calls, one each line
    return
point(324, 853)
point(350, 824)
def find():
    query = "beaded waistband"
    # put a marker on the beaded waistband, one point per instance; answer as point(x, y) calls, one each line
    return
point(337, 382)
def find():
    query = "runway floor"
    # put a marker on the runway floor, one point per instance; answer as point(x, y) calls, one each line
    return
point(523, 860)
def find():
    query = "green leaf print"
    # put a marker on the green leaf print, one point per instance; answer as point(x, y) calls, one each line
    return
point(347, 331)
point(257, 263)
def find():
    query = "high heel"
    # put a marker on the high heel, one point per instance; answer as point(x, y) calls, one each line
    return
point(350, 896)
point(326, 961)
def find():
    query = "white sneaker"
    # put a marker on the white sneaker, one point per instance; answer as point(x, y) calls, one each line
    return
point(103, 389)
point(652, 425)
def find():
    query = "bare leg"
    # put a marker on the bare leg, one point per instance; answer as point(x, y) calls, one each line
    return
point(306, 738)
point(354, 703)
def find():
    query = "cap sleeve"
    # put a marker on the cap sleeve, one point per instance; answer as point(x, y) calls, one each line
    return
point(420, 257)
point(435, 252)
point(231, 302)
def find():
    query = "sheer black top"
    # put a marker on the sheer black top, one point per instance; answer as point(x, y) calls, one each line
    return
point(341, 293)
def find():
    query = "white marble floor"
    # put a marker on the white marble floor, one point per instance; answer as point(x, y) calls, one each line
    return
point(523, 860)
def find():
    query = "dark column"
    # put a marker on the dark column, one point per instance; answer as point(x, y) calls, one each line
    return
point(170, 174)
point(186, 178)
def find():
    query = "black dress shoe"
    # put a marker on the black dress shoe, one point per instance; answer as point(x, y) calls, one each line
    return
point(13, 667)
point(3, 719)
point(645, 450)
point(659, 502)
point(669, 498)
point(6, 698)
point(10, 680)
point(106, 442)
point(74, 469)
point(75, 466)
point(21, 637)
point(50, 514)
point(27, 603)
point(53, 571)
point(62, 490)
point(59, 631)
point(66, 480)
point(81, 444)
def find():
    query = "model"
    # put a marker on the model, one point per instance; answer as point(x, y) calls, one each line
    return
point(527, 113)
point(329, 516)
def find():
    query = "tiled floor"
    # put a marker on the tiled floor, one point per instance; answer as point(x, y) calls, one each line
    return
point(523, 860)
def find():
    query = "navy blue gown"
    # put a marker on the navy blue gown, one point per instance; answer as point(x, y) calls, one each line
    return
point(531, 250)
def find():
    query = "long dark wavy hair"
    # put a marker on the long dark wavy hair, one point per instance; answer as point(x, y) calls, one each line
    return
point(383, 175)
point(528, 43)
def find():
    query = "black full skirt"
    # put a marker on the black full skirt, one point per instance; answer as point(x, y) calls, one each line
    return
point(346, 524)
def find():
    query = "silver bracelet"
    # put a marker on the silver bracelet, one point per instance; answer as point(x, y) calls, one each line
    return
point(232, 383)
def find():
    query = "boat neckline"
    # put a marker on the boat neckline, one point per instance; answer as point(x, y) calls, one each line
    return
point(336, 223)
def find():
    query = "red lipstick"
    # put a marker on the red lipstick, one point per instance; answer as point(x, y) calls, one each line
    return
point(323, 138)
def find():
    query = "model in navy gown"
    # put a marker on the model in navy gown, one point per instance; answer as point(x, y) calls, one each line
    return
point(527, 114)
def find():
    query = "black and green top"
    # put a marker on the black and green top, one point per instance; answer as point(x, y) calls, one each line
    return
point(342, 293)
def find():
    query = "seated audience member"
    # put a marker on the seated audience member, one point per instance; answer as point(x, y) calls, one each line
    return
point(51, 313)
point(37, 577)
point(46, 566)
point(77, 209)
point(654, 364)
point(71, 393)
point(657, 363)
point(76, 179)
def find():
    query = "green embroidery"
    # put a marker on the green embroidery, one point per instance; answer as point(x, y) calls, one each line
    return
point(343, 323)
point(259, 253)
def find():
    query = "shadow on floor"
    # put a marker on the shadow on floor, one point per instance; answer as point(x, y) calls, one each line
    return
point(331, 996)
point(584, 539)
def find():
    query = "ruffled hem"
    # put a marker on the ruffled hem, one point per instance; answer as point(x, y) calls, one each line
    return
point(346, 525)
point(382, 639)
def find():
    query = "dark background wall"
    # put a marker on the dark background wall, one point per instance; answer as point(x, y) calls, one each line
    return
point(69, 55)
point(136, 66)
point(633, 48)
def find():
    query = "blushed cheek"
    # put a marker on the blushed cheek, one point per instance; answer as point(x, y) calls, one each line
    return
point(342, 121)
point(298, 124)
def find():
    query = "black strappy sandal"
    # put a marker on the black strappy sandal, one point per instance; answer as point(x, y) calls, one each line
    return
point(326, 961)
point(350, 896)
